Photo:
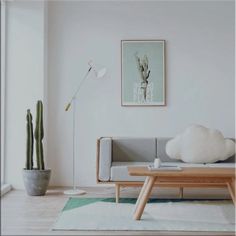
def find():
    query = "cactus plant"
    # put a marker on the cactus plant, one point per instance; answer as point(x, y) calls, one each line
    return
point(30, 142)
point(36, 180)
point(38, 134)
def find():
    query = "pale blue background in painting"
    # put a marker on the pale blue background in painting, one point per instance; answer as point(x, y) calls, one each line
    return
point(130, 73)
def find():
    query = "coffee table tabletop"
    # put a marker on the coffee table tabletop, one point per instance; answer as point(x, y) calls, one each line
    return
point(186, 171)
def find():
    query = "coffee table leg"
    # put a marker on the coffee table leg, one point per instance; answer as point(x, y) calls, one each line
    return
point(141, 193)
point(231, 188)
point(143, 196)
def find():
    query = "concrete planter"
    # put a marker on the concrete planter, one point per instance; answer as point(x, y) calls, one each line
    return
point(36, 181)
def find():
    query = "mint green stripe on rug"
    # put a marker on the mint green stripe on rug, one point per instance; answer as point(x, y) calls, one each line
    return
point(79, 202)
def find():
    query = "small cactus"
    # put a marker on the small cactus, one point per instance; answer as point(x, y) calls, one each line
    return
point(30, 142)
point(38, 134)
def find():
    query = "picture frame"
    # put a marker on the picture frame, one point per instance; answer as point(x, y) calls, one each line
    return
point(143, 81)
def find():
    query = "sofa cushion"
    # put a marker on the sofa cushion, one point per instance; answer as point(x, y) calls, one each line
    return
point(133, 149)
point(198, 144)
point(161, 150)
point(119, 171)
point(105, 159)
point(229, 160)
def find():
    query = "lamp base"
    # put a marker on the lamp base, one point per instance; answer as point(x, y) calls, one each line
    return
point(74, 192)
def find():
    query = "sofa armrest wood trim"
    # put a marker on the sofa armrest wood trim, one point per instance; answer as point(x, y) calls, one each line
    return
point(97, 159)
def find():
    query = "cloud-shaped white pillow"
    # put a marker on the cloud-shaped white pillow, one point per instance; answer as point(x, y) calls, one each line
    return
point(198, 144)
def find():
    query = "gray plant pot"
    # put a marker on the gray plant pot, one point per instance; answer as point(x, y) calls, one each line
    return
point(36, 181)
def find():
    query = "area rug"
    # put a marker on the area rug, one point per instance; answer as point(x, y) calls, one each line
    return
point(105, 214)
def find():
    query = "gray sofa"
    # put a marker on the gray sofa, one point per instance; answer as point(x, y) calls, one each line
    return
point(114, 155)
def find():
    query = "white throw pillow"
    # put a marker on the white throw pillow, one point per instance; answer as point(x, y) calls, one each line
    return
point(198, 144)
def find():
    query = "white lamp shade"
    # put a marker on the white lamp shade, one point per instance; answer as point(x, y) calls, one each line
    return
point(98, 70)
point(100, 73)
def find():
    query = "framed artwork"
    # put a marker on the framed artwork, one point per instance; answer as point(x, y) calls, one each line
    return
point(143, 73)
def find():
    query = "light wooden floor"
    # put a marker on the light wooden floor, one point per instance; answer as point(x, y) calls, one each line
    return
point(24, 215)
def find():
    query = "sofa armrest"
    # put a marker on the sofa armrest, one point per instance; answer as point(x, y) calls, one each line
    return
point(104, 159)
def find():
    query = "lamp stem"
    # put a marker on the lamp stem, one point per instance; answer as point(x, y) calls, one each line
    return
point(74, 113)
point(78, 88)
point(74, 191)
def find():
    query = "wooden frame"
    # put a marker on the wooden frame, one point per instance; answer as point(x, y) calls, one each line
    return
point(167, 183)
point(164, 72)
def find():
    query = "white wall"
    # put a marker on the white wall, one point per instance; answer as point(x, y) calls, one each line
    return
point(200, 74)
point(25, 74)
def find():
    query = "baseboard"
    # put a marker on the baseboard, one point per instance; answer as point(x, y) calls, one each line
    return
point(5, 188)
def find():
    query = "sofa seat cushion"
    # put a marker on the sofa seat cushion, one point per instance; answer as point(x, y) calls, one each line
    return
point(119, 170)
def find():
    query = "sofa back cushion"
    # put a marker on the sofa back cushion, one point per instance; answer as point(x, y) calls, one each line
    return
point(161, 150)
point(133, 149)
point(143, 150)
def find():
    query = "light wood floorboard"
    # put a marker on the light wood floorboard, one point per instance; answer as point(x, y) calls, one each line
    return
point(24, 215)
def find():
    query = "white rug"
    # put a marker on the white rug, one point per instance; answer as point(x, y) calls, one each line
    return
point(176, 216)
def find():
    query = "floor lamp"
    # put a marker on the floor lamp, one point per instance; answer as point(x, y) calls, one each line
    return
point(99, 73)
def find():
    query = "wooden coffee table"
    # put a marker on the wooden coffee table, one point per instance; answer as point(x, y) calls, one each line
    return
point(187, 177)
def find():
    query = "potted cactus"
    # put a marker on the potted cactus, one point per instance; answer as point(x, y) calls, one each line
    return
point(36, 180)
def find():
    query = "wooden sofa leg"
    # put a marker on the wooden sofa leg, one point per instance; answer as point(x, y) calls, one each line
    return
point(181, 192)
point(117, 193)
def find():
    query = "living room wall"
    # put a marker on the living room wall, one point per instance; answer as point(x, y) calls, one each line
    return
point(199, 71)
point(24, 80)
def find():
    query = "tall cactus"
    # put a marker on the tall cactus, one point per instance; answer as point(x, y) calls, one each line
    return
point(30, 142)
point(38, 134)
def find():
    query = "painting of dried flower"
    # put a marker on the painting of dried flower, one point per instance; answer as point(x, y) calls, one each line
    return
point(143, 72)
